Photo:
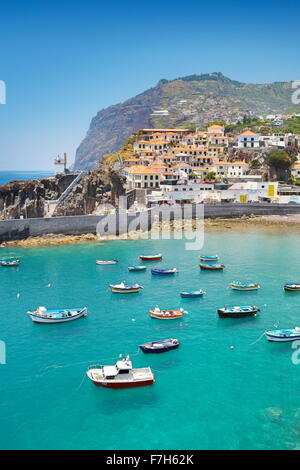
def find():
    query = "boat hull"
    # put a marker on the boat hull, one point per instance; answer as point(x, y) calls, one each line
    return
point(292, 289)
point(106, 263)
point(150, 258)
point(122, 384)
point(162, 273)
point(281, 339)
point(211, 268)
point(51, 321)
point(148, 350)
point(124, 291)
point(223, 314)
point(143, 268)
point(245, 289)
point(186, 295)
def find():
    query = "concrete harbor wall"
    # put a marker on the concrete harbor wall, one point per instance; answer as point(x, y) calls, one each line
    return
point(17, 229)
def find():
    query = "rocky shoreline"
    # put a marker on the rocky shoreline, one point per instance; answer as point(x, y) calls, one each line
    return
point(273, 222)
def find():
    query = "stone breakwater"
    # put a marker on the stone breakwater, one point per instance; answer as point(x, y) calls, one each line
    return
point(274, 222)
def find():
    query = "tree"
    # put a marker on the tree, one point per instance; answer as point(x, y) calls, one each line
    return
point(211, 176)
point(280, 160)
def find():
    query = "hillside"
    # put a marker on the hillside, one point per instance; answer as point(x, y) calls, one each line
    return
point(185, 101)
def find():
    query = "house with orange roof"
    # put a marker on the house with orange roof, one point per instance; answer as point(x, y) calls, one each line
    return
point(156, 145)
point(248, 139)
point(139, 176)
point(295, 170)
point(215, 130)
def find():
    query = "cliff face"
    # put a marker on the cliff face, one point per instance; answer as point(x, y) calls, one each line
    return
point(96, 187)
point(187, 101)
point(28, 198)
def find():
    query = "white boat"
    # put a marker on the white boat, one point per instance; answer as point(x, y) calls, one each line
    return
point(42, 315)
point(124, 288)
point(283, 335)
point(121, 375)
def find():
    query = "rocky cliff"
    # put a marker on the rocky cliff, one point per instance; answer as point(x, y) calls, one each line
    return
point(27, 199)
point(186, 101)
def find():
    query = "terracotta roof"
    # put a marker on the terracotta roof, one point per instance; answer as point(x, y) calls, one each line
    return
point(247, 133)
point(141, 170)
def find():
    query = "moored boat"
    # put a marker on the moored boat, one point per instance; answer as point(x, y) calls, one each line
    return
point(244, 286)
point(162, 272)
point(124, 288)
point(212, 267)
point(283, 335)
point(151, 257)
point(210, 258)
point(238, 311)
point(292, 287)
point(42, 315)
point(106, 262)
point(120, 375)
point(10, 263)
point(156, 347)
point(137, 268)
point(167, 314)
point(191, 294)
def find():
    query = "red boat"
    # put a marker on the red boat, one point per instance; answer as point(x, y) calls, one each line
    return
point(121, 375)
point(212, 267)
point(151, 257)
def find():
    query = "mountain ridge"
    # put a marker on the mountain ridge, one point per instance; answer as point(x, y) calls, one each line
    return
point(184, 101)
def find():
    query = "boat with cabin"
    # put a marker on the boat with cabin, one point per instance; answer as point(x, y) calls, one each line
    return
point(106, 262)
point(292, 287)
point(192, 294)
point(162, 346)
point(283, 335)
point(244, 286)
point(10, 263)
point(124, 288)
point(137, 268)
point(167, 314)
point(151, 257)
point(210, 258)
point(163, 272)
point(43, 315)
point(212, 267)
point(120, 375)
point(238, 311)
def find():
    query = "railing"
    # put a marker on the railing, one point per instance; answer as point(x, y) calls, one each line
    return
point(67, 191)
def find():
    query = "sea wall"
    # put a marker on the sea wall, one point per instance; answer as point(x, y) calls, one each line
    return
point(18, 229)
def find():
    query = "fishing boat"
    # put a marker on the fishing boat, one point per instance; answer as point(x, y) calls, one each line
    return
point(292, 287)
point(160, 346)
point(120, 375)
point(212, 267)
point(209, 258)
point(191, 294)
point(238, 311)
point(163, 272)
point(42, 315)
point(124, 288)
point(151, 257)
point(283, 335)
point(244, 286)
point(110, 261)
point(9, 263)
point(137, 268)
point(167, 314)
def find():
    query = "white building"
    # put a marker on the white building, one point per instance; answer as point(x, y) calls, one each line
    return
point(248, 140)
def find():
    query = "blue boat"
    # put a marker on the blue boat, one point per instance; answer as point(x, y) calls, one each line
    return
point(191, 294)
point(160, 346)
point(163, 272)
point(283, 335)
point(137, 268)
point(238, 311)
point(210, 258)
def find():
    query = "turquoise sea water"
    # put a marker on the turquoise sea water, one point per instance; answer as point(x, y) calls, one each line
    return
point(206, 395)
point(6, 176)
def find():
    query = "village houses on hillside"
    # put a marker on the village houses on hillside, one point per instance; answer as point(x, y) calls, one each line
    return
point(181, 164)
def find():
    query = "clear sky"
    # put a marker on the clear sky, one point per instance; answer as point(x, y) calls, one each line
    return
point(62, 61)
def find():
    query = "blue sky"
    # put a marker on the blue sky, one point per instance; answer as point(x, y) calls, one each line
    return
point(63, 61)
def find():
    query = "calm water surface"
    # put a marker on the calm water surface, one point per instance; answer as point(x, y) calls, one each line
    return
point(206, 395)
